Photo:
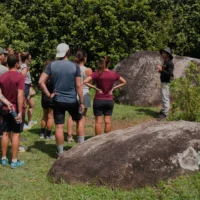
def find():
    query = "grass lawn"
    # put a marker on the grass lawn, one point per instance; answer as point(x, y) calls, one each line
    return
point(30, 182)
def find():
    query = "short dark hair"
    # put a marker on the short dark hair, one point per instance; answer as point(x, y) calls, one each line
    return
point(12, 60)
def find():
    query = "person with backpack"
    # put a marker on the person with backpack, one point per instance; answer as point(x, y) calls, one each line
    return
point(103, 105)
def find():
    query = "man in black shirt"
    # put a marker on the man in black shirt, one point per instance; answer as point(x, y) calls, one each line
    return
point(166, 74)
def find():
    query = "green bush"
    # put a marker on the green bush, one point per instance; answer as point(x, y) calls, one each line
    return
point(186, 95)
point(117, 28)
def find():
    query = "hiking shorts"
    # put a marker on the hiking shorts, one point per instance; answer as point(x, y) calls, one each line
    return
point(9, 124)
point(60, 108)
point(103, 107)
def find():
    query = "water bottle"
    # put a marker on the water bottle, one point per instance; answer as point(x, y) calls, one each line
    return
point(80, 110)
point(14, 114)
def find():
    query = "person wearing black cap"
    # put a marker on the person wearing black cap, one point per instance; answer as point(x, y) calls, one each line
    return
point(166, 74)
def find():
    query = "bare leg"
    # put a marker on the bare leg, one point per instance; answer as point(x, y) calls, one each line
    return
point(50, 120)
point(108, 124)
point(84, 116)
point(4, 143)
point(31, 104)
point(15, 144)
point(98, 125)
point(80, 128)
point(70, 124)
point(44, 118)
point(59, 134)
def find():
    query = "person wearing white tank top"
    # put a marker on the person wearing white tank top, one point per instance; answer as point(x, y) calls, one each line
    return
point(81, 59)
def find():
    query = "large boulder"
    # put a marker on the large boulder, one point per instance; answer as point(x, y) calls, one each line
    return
point(143, 81)
point(134, 157)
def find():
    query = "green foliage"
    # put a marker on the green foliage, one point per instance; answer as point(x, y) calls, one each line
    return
point(186, 92)
point(115, 27)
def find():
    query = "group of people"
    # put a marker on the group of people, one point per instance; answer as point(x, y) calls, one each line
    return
point(65, 87)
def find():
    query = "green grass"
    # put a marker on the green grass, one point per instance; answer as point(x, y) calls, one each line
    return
point(30, 182)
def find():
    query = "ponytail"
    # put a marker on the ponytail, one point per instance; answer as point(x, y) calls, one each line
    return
point(80, 56)
point(104, 63)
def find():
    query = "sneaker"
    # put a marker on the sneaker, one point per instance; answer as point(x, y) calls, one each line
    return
point(16, 164)
point(32, 123)
point(4, 162)
point(22, 149)
point(41, 136)
point(26, 127)
point(70, 139)
point(52, 137)
point(162, 117)
point(59, 154)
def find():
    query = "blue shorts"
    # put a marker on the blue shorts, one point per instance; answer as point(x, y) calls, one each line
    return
point(27, 90)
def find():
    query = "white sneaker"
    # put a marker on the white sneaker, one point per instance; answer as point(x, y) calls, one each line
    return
point(22, 149)
point(31, 123)
point(52, 137)
point(42, 136)
point(26, 127)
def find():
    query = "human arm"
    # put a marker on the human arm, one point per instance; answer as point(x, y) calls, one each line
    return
point(88, 72)
point(122, 83)
point(41, 82)
point(43, 79)
point(5, 101)
point(169, 72)
point(20, 101)
point(79, 89)
point(24, 71)
point(88, 82)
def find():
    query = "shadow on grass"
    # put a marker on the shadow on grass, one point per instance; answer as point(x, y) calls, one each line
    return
point(49, 149)
point(35, 131)
point(148, 111)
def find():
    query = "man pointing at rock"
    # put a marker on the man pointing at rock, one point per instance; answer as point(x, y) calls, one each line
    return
point(166, 74)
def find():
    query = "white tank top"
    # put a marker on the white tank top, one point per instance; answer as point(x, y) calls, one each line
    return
point(83, 76)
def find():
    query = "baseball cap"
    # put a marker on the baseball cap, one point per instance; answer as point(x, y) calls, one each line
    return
point(62, 50)
point(2, 51)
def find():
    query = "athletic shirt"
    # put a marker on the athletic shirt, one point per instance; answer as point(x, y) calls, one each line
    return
point(28, 75)
point(83, 76)
point(105, 82)
point(64, 74)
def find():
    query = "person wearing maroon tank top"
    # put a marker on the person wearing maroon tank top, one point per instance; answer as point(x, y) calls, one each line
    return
point(103, 101)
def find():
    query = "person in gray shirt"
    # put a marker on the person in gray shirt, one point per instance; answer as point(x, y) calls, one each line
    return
point(66, 77)
point(3, 69)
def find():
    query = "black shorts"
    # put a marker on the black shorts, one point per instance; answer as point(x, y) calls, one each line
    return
point(1, 105)
point(103, 107)
point(27, 90)
point(9, 124)
point(47, 103)
point(59, 109)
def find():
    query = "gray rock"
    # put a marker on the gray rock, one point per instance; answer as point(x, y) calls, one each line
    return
point(134, 157)
point(143, 81)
